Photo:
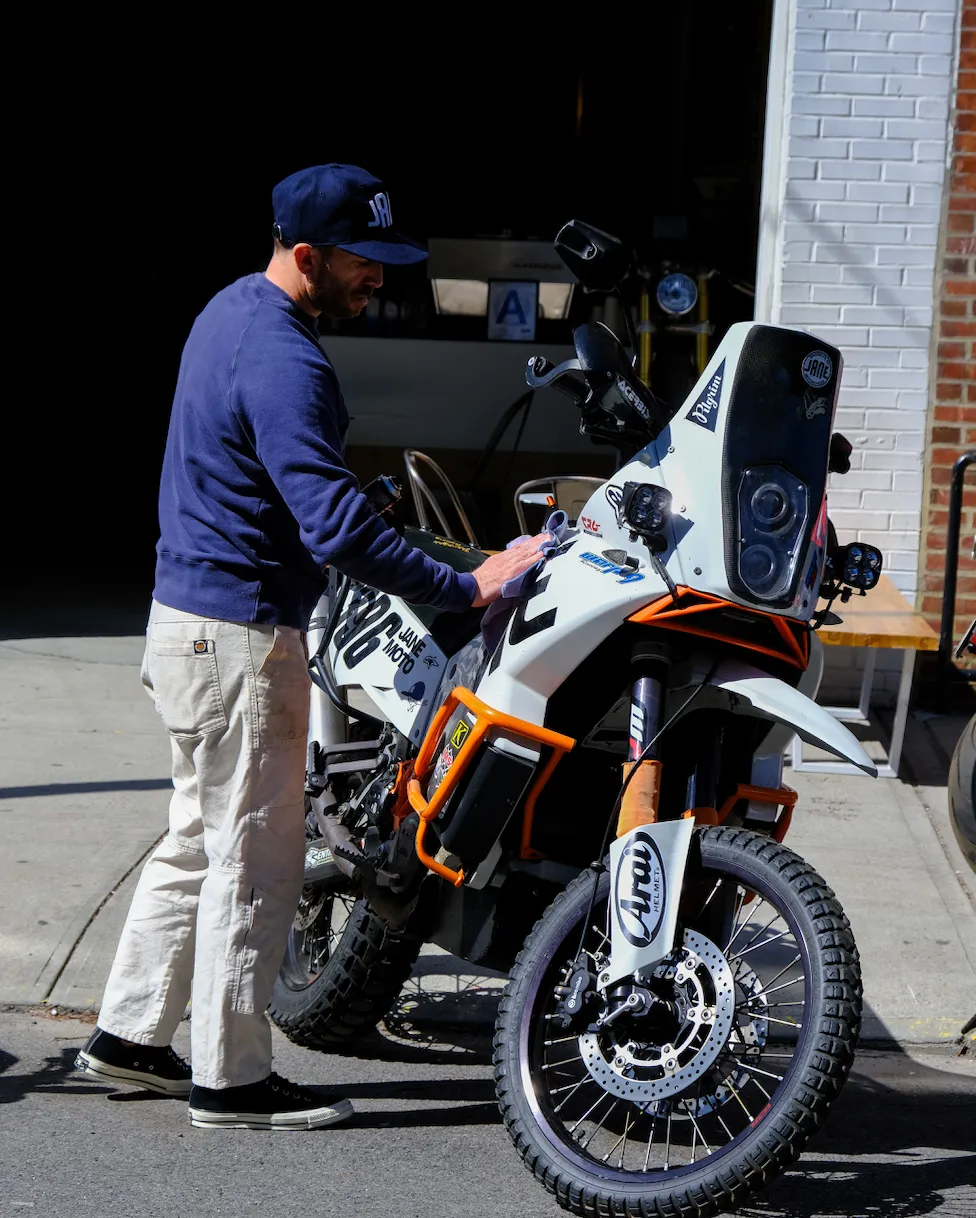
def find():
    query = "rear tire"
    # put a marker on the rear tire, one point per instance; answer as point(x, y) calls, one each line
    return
point(962, 793)
point(550, 1101)
point(338, 980)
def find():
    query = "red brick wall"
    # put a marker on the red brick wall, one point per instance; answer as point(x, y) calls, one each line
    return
point(952, 427)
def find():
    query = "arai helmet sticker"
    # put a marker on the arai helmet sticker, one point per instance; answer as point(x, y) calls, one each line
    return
point(817, 369)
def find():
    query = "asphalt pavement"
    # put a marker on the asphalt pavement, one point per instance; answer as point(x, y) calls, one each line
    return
point(426, 1137)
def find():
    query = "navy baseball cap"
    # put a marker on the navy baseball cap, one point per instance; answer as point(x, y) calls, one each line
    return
point(341, 205)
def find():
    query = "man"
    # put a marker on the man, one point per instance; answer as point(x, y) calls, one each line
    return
point(255, 503)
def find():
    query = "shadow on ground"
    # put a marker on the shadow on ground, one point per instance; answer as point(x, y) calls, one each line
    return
point(884, 1150)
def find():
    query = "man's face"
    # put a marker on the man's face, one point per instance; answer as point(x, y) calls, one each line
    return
point(343, 283)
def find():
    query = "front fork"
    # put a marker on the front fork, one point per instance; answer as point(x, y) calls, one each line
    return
point(648, 857)
point(642, 769)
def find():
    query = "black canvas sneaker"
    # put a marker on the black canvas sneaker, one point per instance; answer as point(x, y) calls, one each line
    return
point(153, 1067)
point(273, 1103)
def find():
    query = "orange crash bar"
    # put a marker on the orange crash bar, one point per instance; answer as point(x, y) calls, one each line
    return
point(486, 718)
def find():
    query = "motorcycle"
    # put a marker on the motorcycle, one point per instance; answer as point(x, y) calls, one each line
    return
point(582, 787)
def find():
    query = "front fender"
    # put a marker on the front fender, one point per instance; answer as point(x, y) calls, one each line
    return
point(751, 692)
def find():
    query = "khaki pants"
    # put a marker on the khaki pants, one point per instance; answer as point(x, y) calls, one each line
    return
point(216, 898)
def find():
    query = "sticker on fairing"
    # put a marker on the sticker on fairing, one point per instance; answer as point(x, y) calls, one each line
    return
point(627, 575)
point(647, 868)
point(817, 369)
point(705, 410)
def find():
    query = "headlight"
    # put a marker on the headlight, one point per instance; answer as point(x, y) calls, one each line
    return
point(677, 294)
point(773, 519)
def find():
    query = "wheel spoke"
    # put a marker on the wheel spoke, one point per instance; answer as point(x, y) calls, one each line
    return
point(622, 1138)
point(597, 1129)
point(604, 1095)
point(718, 884)
point(765, 943)
point(766, 1006)
point(586, 1079)
point(795, 981)
point(739, 1099)
point(786, 1023)
point(557, 1065)
point(744, 1065)
point(742, 925)
point(785, 986)
point(650, 1140)
point(667, 1144)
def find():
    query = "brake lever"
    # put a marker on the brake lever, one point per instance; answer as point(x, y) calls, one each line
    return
point(541, 372)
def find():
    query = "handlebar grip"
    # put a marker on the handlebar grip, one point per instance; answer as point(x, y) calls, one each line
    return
point(542, 372)
point(573, 387)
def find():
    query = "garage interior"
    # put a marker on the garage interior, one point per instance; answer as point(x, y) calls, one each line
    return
point(658, 143)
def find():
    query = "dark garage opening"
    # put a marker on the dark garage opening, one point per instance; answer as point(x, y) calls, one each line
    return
point(660, 144)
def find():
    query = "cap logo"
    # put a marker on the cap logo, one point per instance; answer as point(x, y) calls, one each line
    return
point(379, 205)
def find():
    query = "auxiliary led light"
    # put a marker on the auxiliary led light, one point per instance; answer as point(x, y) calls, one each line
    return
point(860, 565)
point(645, 507)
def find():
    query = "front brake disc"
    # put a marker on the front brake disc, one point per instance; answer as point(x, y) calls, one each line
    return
point(704, 991)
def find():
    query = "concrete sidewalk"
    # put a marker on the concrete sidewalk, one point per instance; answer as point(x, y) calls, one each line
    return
point(84, 767)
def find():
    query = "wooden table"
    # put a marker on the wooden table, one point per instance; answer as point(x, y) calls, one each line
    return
point(882, 619)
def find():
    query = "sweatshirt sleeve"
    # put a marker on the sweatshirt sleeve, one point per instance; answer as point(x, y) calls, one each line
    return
point(287, 397)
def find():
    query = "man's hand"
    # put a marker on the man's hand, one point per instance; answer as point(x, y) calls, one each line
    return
point(505, 565)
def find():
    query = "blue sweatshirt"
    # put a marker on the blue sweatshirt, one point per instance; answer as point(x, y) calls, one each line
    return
point(255, 498)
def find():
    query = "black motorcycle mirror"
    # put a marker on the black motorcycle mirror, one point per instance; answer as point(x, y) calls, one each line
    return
point(601, 262)
point(598, 260)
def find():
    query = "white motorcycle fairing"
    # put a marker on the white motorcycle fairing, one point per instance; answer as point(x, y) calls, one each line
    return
point(605, 576)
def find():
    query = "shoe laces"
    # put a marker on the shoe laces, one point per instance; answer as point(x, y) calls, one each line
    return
point(174, 1058)
point(288, 1089)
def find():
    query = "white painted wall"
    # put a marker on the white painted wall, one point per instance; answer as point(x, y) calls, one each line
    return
point(858, 118)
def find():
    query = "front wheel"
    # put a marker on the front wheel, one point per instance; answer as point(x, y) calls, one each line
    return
point(688, 1091)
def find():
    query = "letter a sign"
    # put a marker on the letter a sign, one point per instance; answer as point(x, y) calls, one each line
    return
point(511, 310)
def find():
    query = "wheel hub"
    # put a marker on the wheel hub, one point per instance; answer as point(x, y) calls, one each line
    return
point(704, 1000)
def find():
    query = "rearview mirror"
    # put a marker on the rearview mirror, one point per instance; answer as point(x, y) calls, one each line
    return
point(597, 259)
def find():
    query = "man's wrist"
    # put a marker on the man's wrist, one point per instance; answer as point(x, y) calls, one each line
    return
point(469, 585)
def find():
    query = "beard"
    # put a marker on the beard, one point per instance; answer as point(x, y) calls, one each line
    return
point(335, 299)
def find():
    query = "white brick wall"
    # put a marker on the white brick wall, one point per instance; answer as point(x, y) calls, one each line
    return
point(852, 191)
